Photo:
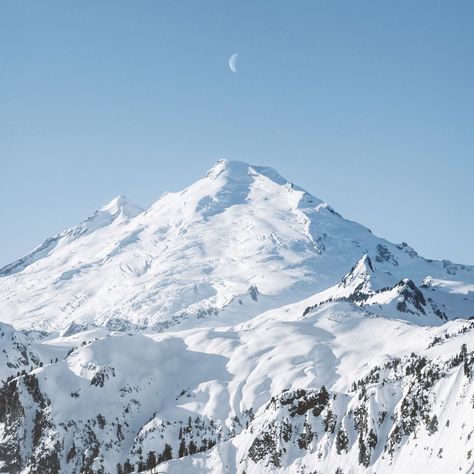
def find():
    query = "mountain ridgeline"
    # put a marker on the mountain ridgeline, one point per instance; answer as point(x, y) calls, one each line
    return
point(241, 325)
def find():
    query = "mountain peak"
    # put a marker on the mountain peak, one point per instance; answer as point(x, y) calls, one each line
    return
point(232, 182)
point(114, 204)
point(235, 169)
point(198, 250)
point(121, 205)
point(117, 210)
point(361, 279)
point(229, 167)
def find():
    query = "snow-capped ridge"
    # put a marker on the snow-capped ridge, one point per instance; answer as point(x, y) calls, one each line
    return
point(194, 251)
point(118, 209)
point(406, 301)
point(362, 281)
point(245, 181)
point(120, 205)
point(362, 271)
point(377, 292)
point(234, 169)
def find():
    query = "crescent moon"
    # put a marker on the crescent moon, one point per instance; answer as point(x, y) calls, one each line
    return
point(233, 62)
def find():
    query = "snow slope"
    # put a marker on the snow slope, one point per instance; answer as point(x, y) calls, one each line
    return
point(238, 326)
point(251, 393)
point(240, 230)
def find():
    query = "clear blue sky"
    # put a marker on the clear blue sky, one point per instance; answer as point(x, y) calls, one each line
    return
point(368, 105)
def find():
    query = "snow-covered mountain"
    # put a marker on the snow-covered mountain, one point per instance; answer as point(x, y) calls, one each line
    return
point(239, 326)
point(241, 230)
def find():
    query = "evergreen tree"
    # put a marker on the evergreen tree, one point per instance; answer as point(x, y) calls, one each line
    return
point(167, 453)
point(342, 441)
point(467, 370)
point(151, 460)
point(192, 448)
point(322, 400)
point(324, 395)
point(372, 439)
point(433, 425)
point(127, 467)
point(364, 454)
point(182, 448)
point(101, 421)
point(329, 421)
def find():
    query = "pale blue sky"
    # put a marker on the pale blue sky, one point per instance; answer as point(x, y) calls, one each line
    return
point(369, 105)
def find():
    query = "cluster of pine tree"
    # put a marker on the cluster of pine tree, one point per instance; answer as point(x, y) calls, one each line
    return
point(151, 461)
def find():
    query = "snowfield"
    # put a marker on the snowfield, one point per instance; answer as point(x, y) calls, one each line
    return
point(239, 326)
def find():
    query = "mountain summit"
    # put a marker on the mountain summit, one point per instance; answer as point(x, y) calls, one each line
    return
point(198, 253)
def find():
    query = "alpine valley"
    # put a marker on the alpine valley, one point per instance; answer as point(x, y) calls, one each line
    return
point(240, 326)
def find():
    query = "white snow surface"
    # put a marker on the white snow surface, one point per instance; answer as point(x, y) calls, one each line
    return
point(240, 228)
point(211, 316)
